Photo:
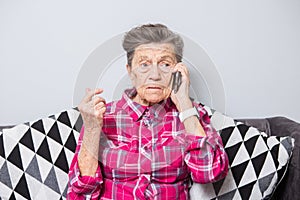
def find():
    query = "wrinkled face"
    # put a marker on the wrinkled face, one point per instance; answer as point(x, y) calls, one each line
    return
point(151, 71)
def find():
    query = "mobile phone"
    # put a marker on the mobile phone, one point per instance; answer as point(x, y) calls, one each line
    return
point(176, 81)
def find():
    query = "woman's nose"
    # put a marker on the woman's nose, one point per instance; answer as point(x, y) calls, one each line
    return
point(155, 73)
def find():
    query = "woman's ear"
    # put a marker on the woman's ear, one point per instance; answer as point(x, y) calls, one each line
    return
point(128, 69)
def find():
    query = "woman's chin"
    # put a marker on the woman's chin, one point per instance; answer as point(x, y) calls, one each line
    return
point(150, 97)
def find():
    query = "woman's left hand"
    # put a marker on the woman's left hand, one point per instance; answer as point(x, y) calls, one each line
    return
point(182, 99)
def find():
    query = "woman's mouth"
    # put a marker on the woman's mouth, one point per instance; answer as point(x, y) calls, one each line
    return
point(154, 88)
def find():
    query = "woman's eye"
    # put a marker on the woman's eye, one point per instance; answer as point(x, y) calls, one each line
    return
point(144, 64)
point(164, 64)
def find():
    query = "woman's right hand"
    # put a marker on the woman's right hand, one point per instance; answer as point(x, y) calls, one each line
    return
point(92, 109)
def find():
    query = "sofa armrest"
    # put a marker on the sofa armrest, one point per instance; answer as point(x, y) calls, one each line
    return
point(289, 187)
point(282, 126)
point(261, 124)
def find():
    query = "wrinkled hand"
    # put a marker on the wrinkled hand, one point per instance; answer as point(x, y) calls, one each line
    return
point(92, 109)
point(182, 99)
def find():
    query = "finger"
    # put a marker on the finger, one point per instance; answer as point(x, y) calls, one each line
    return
point(184, 72)
point(90, 93)
point(100, 110)
point(182, 68)
point(96, 100)
point(99, 102)
point(99, 106)
point(179, 66)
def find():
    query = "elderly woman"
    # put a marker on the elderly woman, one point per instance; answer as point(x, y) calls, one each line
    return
point(152, 142)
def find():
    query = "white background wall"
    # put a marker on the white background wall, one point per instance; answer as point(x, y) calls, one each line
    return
point(255, 46)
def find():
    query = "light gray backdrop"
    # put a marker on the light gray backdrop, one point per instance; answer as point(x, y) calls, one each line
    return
point(254, 45)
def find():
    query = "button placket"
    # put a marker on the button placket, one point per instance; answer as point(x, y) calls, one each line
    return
point(147, 121)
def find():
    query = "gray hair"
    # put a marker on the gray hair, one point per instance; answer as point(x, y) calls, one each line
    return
point(151, 33)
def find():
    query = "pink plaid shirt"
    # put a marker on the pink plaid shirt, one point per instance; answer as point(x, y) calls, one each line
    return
point(145, 153)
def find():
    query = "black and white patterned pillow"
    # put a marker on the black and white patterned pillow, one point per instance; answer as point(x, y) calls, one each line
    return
point(257, 163)
point(35, 157)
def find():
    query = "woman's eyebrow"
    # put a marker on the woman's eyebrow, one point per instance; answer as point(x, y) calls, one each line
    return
point(143, 58)
point(167, 57)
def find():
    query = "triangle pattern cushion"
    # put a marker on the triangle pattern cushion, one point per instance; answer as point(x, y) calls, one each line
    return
point(257, 163)
point(35, 156)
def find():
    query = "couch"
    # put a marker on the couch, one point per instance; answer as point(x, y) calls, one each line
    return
point(278, 126)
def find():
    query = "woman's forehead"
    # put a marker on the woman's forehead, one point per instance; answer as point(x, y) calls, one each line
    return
point(156, 46)
point(154, 49)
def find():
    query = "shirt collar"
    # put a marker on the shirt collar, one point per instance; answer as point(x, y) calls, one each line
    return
point(136, 111)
